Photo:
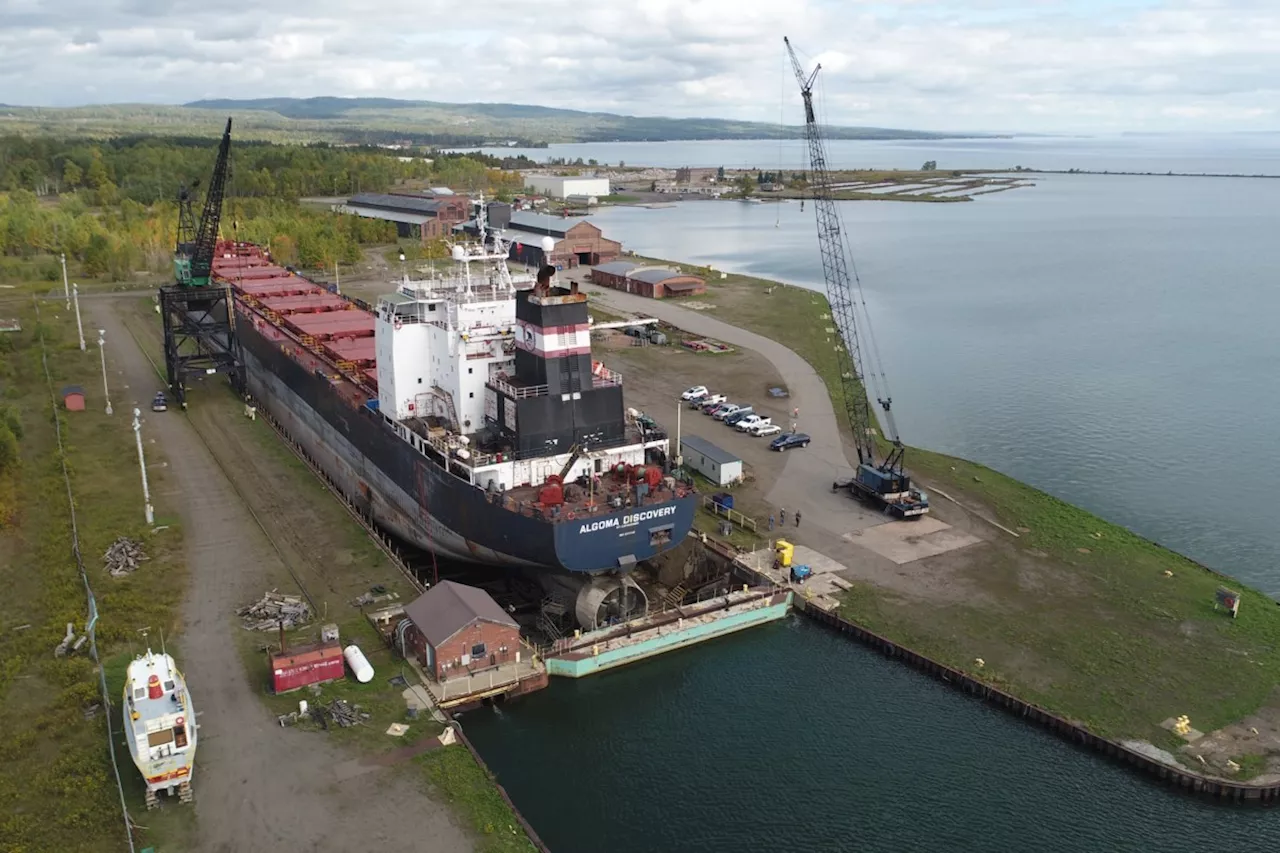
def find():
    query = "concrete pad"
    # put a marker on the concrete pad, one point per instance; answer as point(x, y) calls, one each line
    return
point(908, 541)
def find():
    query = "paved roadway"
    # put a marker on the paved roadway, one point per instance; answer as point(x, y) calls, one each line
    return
point(806, 480)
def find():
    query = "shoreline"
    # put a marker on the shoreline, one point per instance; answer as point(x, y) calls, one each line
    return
point(1064, 530)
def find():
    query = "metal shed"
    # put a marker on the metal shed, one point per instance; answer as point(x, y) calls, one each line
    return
point(715, 463)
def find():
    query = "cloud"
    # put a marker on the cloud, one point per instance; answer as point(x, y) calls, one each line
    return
point(1053, 65)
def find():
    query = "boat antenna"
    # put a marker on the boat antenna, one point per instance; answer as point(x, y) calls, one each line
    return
point(162, 651)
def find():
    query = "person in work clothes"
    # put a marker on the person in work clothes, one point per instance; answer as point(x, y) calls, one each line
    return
point(782, 512)
point(771, 522)
point(797, 518)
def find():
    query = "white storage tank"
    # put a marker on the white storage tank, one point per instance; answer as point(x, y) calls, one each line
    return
point(359, 664)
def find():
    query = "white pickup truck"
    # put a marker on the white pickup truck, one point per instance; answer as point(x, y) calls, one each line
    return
point(750, 422)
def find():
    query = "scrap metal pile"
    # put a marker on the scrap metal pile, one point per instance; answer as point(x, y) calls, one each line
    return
point(123, 557)
point(275, 608)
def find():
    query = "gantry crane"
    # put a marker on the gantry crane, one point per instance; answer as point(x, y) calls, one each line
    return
point(884, 483)
point(199, 317)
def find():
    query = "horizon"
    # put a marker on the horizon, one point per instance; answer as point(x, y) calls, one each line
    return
point(1052, 66)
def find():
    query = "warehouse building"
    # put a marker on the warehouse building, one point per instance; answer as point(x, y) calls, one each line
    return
point(653, 282)
point(426, 216)
point(565, 186)
point(716, 464)
point(577, 241)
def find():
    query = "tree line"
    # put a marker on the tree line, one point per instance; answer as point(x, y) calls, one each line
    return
point(110, 205)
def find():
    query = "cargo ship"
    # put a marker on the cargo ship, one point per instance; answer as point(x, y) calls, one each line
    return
point(159, 725)
point(464, 413)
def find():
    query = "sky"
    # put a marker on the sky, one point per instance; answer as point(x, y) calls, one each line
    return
point(1048, 66)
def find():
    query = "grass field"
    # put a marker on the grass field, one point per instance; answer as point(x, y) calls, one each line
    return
point(56, 787)
point(452, 773)
point(1075, 613)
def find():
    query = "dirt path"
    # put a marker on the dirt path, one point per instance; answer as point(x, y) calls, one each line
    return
point(258, 787)
point(805, 483)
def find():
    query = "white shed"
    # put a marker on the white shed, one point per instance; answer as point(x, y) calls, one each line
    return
point(563, 186)
point(719, 466)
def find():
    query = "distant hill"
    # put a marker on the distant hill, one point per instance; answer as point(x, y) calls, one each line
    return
point(387, 120)
point(532, 123)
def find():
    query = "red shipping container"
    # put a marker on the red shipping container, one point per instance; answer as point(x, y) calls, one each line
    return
point(306, 665)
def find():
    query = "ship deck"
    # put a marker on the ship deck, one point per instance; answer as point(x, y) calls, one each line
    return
point(607, 494)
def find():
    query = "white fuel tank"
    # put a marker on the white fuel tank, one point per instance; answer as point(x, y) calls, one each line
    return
point(360, 666)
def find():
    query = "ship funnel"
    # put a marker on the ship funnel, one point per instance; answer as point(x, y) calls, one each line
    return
point(153, 687)
point(458, 253)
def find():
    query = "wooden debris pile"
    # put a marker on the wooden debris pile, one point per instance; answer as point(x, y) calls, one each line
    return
point(344, 713)
point(123, 557)
point(267, 613)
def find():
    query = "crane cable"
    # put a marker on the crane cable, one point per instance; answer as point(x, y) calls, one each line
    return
point(873, 370)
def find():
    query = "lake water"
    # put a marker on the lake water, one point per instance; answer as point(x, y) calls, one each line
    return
point(1225, 153)
point(1111, 340)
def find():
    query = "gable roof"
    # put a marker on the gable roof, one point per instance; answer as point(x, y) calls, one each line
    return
point(73, 389)
point(422, 205)
point(448, 607)
point(709, 450)
point(657, 276)
point(616, 267)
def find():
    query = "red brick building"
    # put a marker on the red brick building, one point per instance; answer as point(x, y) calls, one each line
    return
point(653, 282)
point(423, 215)
point(456, 629)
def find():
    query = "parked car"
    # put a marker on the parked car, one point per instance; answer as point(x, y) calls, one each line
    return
point(750, 422)
point(727, 411)
point(719, 408)
point(742, 414)
point(697, 392)
point(708, 402)
point(789, 440)
point(159, 403)
point(765, 429)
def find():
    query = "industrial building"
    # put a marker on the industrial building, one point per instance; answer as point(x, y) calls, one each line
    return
point(653, 282)
point(456, 629)
point(577, 241)
point(715, 463)
point(563, 186)
point(426, 216)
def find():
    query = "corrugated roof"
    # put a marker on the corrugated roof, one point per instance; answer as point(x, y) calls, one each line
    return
point(541, 223)
point(448, 607)
point(382, 213)
point(616, 267)
point(389, 201)
point(657, 276)
point(707, 449)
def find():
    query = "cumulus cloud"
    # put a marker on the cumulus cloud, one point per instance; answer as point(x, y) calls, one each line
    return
point(1051, 65)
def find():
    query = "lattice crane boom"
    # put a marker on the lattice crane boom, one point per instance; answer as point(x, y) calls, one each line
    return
point(193, 262)
point(835, 269)
point(883, 482)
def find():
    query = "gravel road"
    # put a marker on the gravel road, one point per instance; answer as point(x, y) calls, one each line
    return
point(257, 786)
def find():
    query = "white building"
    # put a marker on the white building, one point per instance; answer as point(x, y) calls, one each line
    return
point(559, 186)
point(716, 464)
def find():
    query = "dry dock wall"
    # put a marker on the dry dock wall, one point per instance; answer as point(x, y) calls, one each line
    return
point(1175, 777)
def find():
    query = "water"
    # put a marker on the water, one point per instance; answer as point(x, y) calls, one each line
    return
point(791, 738)
point(1108, 339)
point(1223, 153)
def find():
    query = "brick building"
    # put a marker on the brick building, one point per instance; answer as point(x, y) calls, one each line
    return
point(577, 241)
point(457, 629)
point(653, 282)
point(426, 216)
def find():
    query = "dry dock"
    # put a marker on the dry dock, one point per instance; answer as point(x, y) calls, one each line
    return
point(595, 651)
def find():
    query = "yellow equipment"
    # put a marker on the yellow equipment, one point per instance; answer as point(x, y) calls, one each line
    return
point(783, 551)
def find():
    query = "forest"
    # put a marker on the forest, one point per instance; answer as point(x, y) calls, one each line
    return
point(110, 205)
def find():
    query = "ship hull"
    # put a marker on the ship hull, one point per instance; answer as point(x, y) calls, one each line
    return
point(408, 494)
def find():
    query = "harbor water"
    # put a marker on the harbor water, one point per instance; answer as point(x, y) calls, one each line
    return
point(1108, 339)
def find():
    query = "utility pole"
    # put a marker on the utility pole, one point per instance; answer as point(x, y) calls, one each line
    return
point(75, 294)
point(102, 350)
point(142, 466)
point(65, 290)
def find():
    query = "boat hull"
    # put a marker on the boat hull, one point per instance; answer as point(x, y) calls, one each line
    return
point(408, 494)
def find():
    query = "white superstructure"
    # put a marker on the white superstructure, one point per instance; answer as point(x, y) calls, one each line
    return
point(160, 725)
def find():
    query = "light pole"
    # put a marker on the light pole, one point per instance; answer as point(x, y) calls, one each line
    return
point(142, 466)
point(75, 293)
point(65, 290)
point(102, 350)
point(404, 273)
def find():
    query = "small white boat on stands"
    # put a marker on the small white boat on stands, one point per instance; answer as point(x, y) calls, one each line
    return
point(160, 725)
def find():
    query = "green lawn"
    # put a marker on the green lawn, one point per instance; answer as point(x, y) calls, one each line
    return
point(56, 787)
point(453, 774)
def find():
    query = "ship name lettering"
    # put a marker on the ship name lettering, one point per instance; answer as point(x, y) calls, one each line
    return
point(628, 520)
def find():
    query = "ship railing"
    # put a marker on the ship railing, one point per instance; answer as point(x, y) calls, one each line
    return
point(518, 393)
